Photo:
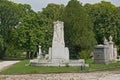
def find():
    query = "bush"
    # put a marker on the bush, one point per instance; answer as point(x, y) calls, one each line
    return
point(84, 55)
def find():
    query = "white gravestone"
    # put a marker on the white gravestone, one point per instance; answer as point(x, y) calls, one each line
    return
point(58, 51)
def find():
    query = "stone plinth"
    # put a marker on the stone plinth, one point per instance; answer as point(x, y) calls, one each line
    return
point(80, 62)
point(101, 54)
point(105, 53)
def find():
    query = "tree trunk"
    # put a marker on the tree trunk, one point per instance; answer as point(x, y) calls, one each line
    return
point(2, 53)
point(27, 55)
point(31, 55)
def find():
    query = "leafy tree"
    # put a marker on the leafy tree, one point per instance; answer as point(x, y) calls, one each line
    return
point(9, 18)
point(103, 18)
point(28, 35)
point(106, 20)
point(78, 29)
point(117, 27)
point(46, 17)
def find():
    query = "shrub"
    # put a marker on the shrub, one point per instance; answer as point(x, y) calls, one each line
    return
point(84, 54)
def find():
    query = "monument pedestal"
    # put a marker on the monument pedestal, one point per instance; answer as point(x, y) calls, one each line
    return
point(59, 54)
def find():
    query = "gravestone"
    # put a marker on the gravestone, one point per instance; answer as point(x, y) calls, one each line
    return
point(105, 53)
point(101, 55)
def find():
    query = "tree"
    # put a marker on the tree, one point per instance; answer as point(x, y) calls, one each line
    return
point(103, 18)
point(78, 29)
point(106, 20)
point(9, 18)
point(46, 17)
point(28, 35)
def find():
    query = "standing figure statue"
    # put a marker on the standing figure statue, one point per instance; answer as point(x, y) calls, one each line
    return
point(39, 56)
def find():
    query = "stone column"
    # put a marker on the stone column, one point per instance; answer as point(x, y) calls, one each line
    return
point(111, 48)
point(40, 52)
point(115, 53)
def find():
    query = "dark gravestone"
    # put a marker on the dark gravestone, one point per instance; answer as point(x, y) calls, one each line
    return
point(101, 54)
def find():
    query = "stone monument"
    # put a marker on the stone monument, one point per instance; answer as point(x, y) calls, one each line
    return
point(105, 53)
point(58, 53)
point(101, 55)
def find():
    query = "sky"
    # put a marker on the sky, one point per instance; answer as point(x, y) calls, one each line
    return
point(37, 5)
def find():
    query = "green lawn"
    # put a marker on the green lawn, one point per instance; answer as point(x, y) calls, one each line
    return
point(23, 68)
point(93, 67)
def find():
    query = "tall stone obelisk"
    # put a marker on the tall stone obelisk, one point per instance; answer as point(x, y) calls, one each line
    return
point(58, 51)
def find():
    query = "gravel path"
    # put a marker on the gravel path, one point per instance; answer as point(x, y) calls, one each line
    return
point(101, 75)
point(5, 64)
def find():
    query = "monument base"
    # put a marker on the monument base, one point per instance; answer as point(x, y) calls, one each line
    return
point(36, 62)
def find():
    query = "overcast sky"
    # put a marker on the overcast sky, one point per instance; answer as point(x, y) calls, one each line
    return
point(37, 5)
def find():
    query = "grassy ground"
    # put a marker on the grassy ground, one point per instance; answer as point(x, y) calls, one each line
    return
point(23, 68)
point(93, 67)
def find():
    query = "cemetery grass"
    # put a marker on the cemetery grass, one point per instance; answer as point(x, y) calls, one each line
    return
point(99, 67)
point(23, 68)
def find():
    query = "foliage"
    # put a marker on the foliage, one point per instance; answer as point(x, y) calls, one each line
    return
point(106, 20)
point(9, 18)
point(84, 55)
point(46, 18)
point(22, 29)
point(78, 28)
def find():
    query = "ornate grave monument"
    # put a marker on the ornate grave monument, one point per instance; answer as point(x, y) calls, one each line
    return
point(58, 53)
point(106, 53)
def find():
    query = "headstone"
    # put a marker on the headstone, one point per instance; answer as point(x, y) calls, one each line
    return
point(107, 52)
point(101, 55)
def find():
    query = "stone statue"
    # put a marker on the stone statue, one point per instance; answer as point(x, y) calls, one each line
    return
point(39, 56)
point(39, 52)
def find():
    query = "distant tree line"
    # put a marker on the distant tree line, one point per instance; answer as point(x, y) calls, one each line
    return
point(22, 29)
